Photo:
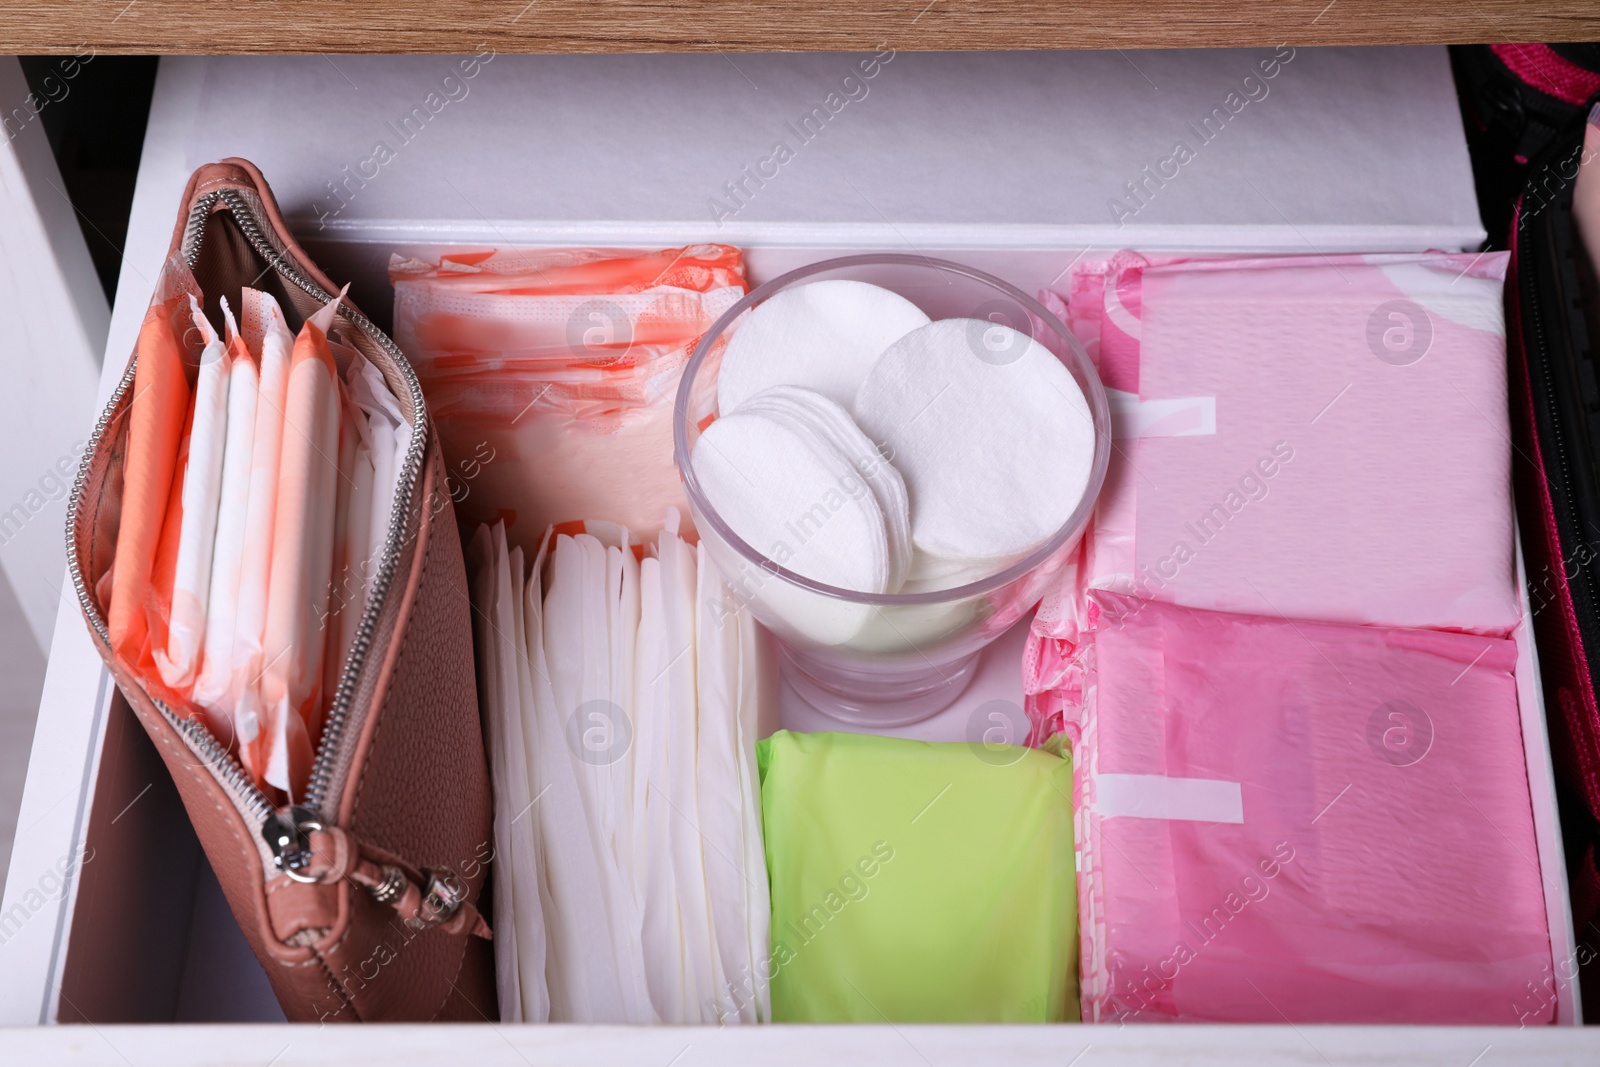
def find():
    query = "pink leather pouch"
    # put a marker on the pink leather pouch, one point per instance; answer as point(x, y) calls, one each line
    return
point(361, 900)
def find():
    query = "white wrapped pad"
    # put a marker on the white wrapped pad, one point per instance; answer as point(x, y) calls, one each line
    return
point(179, 662)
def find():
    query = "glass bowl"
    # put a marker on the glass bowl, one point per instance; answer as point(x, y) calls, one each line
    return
point(890, 659)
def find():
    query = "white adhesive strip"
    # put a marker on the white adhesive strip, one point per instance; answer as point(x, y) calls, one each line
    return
point(1152, 796)
point(1188, 416)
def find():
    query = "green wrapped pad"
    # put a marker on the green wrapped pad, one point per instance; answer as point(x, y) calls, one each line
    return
point(918, 882)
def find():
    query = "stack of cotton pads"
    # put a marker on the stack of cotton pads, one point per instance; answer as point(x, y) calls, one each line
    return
point(794, 475)
point(862, 446)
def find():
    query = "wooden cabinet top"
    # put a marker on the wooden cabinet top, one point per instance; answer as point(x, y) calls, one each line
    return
point(173, 26)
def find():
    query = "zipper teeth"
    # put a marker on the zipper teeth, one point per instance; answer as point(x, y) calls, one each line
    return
point(228, 770)
point(1535, 312)
point(339, 712)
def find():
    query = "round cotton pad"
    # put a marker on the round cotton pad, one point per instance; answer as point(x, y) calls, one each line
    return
point(929, 573)
point(823, 335)
point(789, 498)
point(829, 426)
point(990, 431)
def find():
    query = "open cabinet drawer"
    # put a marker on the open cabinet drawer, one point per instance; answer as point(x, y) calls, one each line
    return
point(1018, 164)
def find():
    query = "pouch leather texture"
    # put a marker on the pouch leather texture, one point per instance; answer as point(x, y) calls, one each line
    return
point(407, 783)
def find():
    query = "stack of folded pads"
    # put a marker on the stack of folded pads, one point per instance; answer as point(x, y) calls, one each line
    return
point(551, 374)
point(1284, 662)
point(261, 472)
point(619, 685)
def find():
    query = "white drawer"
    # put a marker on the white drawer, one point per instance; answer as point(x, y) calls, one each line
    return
point(1012, 162)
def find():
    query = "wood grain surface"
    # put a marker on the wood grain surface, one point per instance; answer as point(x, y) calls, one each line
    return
point(233, 26)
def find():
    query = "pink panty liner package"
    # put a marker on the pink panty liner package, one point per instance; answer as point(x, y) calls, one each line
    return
point(1300, 821)
point(1317, 437)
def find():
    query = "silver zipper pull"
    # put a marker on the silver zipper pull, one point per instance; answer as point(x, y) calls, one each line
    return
point(442, 897)
point(288, 835)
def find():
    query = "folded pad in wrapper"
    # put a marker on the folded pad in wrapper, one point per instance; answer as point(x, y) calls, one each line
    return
point(1313, 437)
point(1303, 822)
point(1372, 388)
point(918, 882)
point(622, 739)
point(551, 375)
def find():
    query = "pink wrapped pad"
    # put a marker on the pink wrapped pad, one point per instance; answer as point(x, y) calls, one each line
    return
point(1323, 823)
point(1359, 466)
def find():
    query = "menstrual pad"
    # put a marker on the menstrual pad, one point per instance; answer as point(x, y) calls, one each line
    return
point(917, 882)
point(1358, 468)
point(1303, 822)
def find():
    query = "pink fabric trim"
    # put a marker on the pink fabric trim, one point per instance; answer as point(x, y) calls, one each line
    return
point(1543, 68)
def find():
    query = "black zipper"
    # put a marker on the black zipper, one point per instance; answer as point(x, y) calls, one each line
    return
point(1538, 255)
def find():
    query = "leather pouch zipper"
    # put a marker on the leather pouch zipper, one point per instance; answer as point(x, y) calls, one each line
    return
point(282, 852)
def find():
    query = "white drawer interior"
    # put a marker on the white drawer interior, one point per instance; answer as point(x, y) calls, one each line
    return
point(146, 902)
point(141, 934)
